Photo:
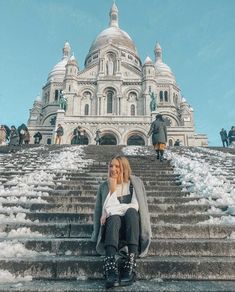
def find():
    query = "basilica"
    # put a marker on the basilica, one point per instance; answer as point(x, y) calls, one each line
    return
point(115, 93)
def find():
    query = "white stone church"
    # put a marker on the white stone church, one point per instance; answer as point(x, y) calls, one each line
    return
point(113, 93)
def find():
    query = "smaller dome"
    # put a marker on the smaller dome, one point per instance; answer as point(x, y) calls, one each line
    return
point(163, 68)
point(148, 60)
point(73, 60)
point(58, 72)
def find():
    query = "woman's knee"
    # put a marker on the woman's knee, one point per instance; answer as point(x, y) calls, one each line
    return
point(113, 220)
point(132, 213)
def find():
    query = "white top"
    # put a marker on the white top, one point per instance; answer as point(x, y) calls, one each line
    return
point(112, 206)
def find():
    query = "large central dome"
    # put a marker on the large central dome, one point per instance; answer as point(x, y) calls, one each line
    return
point(116, 36)
point(113, 35)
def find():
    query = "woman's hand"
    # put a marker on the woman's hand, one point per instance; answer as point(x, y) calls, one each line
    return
point(112, 182)
point(103, 218)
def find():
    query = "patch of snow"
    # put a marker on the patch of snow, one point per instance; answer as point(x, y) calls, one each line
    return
point(7, 277)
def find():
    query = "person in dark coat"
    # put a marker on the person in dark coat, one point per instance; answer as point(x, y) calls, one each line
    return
point(224, 137)
point(159, 135)
point(76, 136)
point(231, 135)
point(121, 221)
point(97, 137)
point(177, 142)
point(37, 138)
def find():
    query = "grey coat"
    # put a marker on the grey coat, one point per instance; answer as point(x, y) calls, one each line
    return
point(145, 227)
point(158, 131)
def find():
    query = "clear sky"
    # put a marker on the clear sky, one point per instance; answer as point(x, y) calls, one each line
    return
point(197, 38)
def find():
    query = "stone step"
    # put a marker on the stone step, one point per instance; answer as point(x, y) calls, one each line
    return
point(174, 268)
point(88, 217)
point(93, 182)
point(89, 207)
point(160, 231)
point(83, 199)
point(158, 247)
point(84, 176)
point(155, 284)
point(95, 187)
point(159, 193)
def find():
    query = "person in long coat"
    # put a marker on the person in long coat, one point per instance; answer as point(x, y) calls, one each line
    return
point(158, 131)
point(14, 137)
point(121, 221)
point(224, 137)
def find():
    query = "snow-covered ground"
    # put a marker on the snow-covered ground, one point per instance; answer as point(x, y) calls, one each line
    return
point(28, 188)
point(206, 174)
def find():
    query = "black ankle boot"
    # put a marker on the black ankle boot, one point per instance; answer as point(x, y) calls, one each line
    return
point(157, 152)
point(110, 272)
point(128, 273)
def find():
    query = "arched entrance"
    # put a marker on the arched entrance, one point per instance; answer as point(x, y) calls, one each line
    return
point(135, 140)
point(108, 139)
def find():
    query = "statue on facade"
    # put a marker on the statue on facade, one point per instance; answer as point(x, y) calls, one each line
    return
point(63, 101)
point(153, 102)
point(110, 66)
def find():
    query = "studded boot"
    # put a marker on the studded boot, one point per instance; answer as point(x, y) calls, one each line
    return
point(157, 154)
point(128, 273)
point(110, 272)
point(161, 155)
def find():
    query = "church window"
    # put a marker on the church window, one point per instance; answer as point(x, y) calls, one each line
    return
point(69, 87)
point(149, 71)
point(109, 102)
point(170, 142)
point(161, 96)
point(150, 89)
point(56, 94)
point(86, 109)
point(166, 96)
point(175, 99)
point(132, 110)
point(130, 57)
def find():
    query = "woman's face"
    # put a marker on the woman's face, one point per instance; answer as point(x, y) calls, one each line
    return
point(115, 170)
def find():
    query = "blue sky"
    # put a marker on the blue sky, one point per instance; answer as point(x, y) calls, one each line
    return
point(197, 38)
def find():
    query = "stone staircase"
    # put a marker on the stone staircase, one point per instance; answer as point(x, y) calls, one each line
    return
point(183, 256)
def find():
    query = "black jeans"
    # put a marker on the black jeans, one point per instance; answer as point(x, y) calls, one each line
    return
point(125, 228)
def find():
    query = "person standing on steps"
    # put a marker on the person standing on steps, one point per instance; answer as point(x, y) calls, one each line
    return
point(159, 136)
point(121, 221)
point(97, 137)
point(224, 137)
point(37, 138)
point(59, 134)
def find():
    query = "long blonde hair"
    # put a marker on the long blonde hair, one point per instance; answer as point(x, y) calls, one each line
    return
point(125, 168)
